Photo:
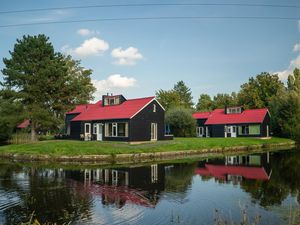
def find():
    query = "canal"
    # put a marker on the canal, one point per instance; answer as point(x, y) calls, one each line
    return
point(262, 187)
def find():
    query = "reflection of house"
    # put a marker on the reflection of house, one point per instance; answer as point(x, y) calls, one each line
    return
point(233, 122)
point(237, 168)
point(115, 118)
point(138, 185)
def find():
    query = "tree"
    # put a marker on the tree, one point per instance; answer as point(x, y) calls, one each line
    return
point(45, 82)
point(222, 100)
point(258, 92)
point(285, 109)
point(184, 93)
point(10, 116)
point(181, 122)
point(293, 82)
point(205, 103)
point(168, 99)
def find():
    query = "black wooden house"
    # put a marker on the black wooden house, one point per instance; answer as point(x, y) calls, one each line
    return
point(114, 118)
point(233, 122)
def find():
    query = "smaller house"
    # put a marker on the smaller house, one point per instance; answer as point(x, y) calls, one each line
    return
point(24, 124)
point(233, 122)
point(115, 118)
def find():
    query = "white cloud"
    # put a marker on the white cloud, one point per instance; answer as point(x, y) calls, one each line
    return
point(127, 56)
point(90, 47)
point(87, 32)
point(113, 83)
point(296, 47)
point(283, 75)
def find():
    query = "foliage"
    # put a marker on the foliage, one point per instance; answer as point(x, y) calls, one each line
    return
point(285, 108)
point(222, 100)
point(168, 99)
point(258, 92)
point(45, 82)
point(181, 122)
point(185, 94)
point(205, 103)
point(10, 116)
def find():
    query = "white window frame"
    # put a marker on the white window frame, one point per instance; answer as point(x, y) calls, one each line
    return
point(114, 125)
point(154, 108)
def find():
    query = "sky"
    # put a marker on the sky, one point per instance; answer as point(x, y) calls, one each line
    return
point(138, 57)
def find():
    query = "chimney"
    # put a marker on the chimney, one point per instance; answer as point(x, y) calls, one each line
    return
point(225, 109)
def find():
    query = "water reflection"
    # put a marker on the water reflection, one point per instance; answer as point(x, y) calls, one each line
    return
point(98, 195)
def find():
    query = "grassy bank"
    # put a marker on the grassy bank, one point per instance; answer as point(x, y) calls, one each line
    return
point(75, 148)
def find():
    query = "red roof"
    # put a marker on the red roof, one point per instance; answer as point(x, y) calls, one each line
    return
point(125, 110)
point(24, 124)
point(201, 115)
point(247, 116)
point(220, 171)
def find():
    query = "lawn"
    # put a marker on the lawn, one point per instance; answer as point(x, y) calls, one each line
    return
point(73, 148)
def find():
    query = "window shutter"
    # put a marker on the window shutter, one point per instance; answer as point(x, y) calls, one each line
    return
point(126, 129)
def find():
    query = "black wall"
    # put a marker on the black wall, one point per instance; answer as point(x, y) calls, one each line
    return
point(75, 130)
point(140, 125)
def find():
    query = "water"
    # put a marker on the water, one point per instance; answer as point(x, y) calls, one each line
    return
point(265, 186)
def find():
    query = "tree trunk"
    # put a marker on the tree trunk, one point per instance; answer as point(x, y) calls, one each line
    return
point(33, 132)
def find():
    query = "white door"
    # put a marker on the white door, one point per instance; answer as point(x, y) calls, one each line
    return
point(153, 131)
point(99, 132)
point(233, 131)
point(200, 131)
point(87, 132)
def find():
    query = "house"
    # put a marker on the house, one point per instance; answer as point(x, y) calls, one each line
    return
point(233, 122)
point(237, 168)
point(25, 124)
point(115, 118)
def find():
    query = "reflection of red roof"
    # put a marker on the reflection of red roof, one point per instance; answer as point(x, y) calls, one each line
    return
point(24, 124)
point(247, 116)
point(125, 110)
point(201, 115)
point(220, 171)
point(117, 193)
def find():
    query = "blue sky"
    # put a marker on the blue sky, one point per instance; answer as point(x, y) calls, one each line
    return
point(137, 58)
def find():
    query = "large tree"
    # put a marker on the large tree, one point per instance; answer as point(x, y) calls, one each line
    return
point(185, 94)
point(205, 103)
point(258, 91)
point(221, 100)
point(168, 99)
point(285, 109)
point(45, 82)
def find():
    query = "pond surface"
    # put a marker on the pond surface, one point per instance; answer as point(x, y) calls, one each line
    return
point(264, 186)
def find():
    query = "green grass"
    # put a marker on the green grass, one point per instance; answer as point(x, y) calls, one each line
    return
point(73, 148)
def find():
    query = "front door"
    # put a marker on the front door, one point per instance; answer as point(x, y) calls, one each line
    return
point(233, 131)
point(153, 131)
point(200, 131)
point(99, 132)
point(87, 132)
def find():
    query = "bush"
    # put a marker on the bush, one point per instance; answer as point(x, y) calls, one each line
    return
point(181, 122)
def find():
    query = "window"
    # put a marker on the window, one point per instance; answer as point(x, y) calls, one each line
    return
point(116, 129)
point(154, 108)
point(234, 110)
point(111, 101)
point(87, 128)
point(244, 130)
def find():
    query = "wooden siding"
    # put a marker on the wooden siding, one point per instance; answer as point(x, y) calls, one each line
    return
point(140, 124)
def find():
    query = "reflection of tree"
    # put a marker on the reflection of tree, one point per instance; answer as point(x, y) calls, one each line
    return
point(180, 177)
point(49, 198)
point(285, 180)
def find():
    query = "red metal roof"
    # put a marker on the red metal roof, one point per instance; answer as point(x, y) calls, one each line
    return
point(220, 171)
point(201, 115)
point(24, 124)
point(247, 116)
point(123, 111)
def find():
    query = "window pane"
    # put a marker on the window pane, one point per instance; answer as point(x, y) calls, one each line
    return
point(110, 129)
point(114, 129)
point(121, 129)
